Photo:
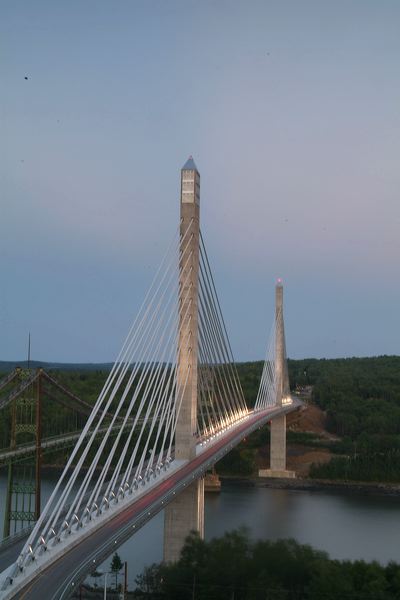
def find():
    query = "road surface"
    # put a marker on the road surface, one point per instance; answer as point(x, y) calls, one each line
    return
point(60, 578)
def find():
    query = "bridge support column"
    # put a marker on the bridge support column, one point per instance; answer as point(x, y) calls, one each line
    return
point(186, 513)
point(278, 450)
point(278, 424)
point(183, 515)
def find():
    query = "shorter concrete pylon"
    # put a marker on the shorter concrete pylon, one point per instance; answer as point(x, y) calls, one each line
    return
point(278, 424)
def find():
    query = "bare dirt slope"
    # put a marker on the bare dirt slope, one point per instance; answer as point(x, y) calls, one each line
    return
point(310, 419)
point(300, 458)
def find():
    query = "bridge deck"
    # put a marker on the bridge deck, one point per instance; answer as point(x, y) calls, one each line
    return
point(57, 580)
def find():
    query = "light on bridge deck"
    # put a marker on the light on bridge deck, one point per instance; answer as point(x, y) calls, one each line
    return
point(287, 400)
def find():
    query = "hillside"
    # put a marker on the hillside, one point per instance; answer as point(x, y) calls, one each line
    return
point(8, 365)
point(353, 415)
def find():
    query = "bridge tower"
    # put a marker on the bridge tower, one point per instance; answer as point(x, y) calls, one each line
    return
point(186, 512)
point(278, 424)
point(22, 507)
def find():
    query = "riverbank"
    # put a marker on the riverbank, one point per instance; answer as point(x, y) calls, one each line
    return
point(311, 485)
point(315, 485)
point(303, 484)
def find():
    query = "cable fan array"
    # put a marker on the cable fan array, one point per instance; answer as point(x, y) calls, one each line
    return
point(143, 395)
point(220, 396)
point(273, 388)
point(266, 396)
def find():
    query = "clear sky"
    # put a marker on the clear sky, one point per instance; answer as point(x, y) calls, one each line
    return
point(291, 110)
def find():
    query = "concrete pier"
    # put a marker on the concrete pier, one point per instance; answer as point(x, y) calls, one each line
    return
point(186, 512)
point(212, 482)
point(183, 515)
point(277, 451)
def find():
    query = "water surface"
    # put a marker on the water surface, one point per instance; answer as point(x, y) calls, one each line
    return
point(347, 526)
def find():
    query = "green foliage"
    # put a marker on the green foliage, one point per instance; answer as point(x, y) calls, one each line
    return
point(250, 376)
point(85, 384)
point(362, 399)
point(383, 467)
point(236, 567)
point(360, 395)
point(303, 437)
point(116, 566)
point(239, 461)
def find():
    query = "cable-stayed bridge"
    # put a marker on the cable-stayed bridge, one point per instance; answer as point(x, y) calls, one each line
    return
point(175, 399)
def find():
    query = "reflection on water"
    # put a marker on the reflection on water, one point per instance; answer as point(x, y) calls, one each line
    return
point(346, 526)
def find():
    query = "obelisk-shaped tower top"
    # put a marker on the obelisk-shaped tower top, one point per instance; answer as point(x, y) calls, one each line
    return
point(190, 165)
point(190, 183)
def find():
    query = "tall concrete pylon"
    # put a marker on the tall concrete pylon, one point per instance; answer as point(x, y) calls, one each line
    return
point(186, 512)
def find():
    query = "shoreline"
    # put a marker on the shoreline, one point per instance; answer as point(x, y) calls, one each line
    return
point(317, 485)
point(299, 484)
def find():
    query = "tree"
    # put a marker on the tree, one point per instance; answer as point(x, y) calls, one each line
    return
point(116, 566)
point(95, 576)
point(234, 566)
point(149, 582)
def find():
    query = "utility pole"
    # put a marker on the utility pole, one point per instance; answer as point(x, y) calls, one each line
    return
point(194, 586)
point(126, 581)
point(29, 350)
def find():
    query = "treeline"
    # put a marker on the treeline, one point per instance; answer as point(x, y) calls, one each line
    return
point(234, 567)
point(361, 397)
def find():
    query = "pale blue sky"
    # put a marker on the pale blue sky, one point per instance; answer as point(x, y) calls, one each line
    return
point(291, 110)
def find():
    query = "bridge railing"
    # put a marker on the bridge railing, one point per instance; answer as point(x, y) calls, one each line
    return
point(12, 539)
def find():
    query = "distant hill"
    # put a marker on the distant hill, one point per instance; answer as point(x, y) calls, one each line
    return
point(8, 365)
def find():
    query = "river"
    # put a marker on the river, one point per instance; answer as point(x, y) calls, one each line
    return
point(347, 526)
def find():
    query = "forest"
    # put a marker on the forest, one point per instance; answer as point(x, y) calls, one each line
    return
point(235, 567)
point(361, 397)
